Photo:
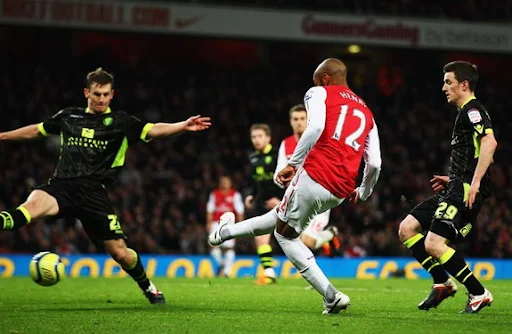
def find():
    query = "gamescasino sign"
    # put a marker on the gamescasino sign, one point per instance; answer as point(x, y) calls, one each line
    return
point(256, 24)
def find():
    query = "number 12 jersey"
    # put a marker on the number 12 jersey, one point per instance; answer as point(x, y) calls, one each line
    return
point(349, 132)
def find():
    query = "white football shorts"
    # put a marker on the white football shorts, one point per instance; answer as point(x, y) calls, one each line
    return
point(303, 200)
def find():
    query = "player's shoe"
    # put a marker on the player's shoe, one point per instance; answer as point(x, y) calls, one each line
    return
point(476, 303)
point(214, 238)
point(341, 302)
point(439, 293)
point(153, 295)
point(265, 280)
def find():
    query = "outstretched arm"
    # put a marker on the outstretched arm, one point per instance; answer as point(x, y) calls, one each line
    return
point(194, 123)
point(25, 133)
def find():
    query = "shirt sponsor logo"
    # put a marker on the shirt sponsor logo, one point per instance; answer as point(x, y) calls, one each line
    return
point(88, 133)
point(87, 142)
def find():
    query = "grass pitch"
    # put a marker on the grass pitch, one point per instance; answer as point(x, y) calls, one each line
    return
point(115, 305)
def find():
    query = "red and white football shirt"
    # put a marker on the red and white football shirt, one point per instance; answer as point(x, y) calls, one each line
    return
point(340, 130)
point(220, 202)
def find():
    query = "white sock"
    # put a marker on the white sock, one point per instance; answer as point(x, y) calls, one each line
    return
point(304, 260)
point(269, 272)
point(323, 237)
point(216, 253)
point(229, 259)
point(260, 225)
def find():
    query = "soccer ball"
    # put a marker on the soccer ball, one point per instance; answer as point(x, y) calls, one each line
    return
point(46, 268)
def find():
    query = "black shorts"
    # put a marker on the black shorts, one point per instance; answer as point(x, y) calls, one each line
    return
point(89, 202)
point(446, 215)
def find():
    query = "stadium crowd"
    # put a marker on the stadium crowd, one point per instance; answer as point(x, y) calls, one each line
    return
point(163, 188)
point(464, 10)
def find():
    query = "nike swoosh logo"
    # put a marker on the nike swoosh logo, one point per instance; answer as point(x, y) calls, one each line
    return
point(180, 23)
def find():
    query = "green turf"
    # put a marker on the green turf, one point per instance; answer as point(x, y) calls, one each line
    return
point(236, 306)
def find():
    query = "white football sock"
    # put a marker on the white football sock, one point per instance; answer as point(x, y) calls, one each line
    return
point(304, 260)
point(323, 237)
point(216, 253)
point(269, 272)
point(229, 259)
point(260, 225)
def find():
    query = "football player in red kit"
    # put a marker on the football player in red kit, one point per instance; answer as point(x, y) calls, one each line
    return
point(321, 174)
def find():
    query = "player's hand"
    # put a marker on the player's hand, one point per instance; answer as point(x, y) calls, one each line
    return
point(354, 196)
point(271, 203)
point(439, 182)
point(285, 175)
point(197, 123)
point(473, 190)
point(248, 201)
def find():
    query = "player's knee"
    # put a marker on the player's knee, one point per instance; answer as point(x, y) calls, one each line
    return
point(40, 204)
point(408, 228)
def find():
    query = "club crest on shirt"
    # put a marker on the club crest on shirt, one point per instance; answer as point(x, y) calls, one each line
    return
point(108, 121)
point(474, 116)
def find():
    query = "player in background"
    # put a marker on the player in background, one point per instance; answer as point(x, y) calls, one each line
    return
point(264, 194)
point(450, 215)
point(315, 235)
point(321, 174)
point(94, 141)
point(223, 199)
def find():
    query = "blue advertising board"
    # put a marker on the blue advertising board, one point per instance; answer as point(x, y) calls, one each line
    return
point(248, 266)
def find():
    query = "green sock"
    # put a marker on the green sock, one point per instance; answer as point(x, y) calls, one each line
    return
point(265, 254)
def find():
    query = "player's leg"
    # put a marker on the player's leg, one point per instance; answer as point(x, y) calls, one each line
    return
point(264, 250)
point(255, 226)
point(309, 241)
point(316, 235)
point(130, 261)
point(39, 204)
point(301, 201)
point(418, 220)
point(216, 252)
point(104, 228)
point(229, 257)
point(449, 223)
point(260, 227)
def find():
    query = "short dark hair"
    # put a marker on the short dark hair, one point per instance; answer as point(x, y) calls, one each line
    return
point(261, 126)
point(100, 77)
point(463, 71)
point(297, 107)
